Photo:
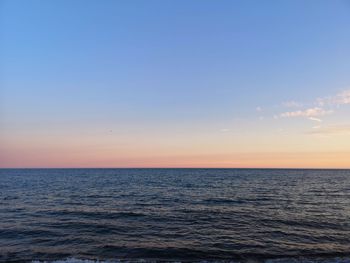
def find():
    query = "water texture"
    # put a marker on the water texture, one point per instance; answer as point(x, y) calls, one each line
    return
point(237, 215)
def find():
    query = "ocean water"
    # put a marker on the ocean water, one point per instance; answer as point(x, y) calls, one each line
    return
point(179, 215)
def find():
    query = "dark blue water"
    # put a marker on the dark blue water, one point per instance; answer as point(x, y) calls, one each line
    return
point(174, 214)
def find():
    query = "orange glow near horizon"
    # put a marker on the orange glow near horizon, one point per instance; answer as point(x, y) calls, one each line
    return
point(32, 159)
point(213, 150)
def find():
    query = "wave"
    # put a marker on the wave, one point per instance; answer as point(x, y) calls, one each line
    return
point(276, 260)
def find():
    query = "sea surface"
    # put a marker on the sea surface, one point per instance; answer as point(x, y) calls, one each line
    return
point(183, 215)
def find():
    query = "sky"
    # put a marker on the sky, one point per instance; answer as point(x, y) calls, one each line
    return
point(175, 83)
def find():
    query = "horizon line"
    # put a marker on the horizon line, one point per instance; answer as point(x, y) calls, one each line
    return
point(242, 168)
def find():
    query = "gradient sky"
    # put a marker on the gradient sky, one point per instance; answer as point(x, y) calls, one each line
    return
point(185, 83)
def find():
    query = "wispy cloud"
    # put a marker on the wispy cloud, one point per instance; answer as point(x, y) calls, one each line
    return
point(258, 109)
point(315, 119)
point(308, 113)
point(331, 129)
point(320, 107)
point(339, 99)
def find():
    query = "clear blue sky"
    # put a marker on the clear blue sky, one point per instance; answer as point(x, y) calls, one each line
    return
point(70, 67)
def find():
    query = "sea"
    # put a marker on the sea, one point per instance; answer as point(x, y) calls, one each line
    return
point(174, 215)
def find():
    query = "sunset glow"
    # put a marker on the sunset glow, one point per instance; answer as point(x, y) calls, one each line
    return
point(152, 85)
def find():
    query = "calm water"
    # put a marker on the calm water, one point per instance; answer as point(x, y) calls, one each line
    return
point(174, 214)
